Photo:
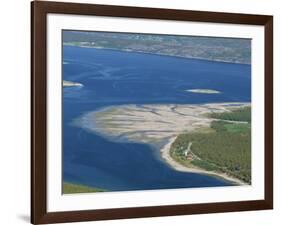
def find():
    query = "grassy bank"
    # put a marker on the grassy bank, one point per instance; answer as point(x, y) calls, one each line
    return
point(243, 114)
point(70, 188)
point(224, 147)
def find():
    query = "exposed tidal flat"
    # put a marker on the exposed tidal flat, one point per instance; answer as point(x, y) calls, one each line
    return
point(160, 125)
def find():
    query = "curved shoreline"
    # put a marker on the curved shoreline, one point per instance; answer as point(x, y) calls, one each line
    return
point(165, 154)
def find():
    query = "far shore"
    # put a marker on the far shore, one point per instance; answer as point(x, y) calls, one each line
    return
point(156, 53)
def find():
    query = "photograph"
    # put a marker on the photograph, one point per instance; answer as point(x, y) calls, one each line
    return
point(124, 112)
point(148, 112)
point(143, 111)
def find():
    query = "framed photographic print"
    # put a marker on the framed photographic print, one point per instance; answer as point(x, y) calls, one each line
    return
point(142, 112)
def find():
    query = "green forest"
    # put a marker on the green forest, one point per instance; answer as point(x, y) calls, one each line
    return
point(225, 147)
point(243, 114)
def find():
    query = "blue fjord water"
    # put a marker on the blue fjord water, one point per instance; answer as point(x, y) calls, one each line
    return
point(114, 78)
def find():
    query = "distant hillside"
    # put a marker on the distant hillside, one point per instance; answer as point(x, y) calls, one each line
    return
point(217, 49)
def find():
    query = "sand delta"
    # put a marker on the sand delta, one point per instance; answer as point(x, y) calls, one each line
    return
point(156, 124)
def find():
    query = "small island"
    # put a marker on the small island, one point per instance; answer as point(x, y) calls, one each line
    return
point(204, 91)
point(71, 84)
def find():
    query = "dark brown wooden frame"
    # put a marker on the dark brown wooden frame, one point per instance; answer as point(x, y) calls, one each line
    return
point(39, 11)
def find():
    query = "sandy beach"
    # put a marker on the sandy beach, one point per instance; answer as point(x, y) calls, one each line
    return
point(165, 153)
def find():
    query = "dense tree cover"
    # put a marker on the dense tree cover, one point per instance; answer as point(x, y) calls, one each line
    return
point(226, 149)
point(243, 114)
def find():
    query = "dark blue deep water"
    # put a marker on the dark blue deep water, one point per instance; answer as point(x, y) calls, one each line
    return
point(113, 78)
